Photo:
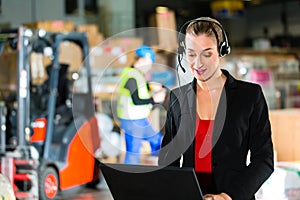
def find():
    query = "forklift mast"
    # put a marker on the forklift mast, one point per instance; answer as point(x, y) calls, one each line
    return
point(23, 85)
point(81, 40)
point(6, 36)
point(22, 155)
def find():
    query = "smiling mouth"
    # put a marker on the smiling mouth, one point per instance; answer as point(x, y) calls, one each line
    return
point(200, 71)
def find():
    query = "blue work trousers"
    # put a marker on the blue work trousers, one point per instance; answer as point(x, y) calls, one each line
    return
point(137, 131)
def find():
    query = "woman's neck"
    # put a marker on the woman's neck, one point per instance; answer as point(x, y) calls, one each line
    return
point(216, 82)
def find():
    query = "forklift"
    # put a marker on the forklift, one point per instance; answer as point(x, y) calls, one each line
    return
point(48, 144)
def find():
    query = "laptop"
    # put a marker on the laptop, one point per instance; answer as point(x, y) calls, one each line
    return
point(144, 182)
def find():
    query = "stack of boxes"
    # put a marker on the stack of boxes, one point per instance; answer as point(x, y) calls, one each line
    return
point(8, 70)
point(52, 26)
point(93, 35)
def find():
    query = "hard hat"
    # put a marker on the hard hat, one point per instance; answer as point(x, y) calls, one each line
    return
point(145, 52)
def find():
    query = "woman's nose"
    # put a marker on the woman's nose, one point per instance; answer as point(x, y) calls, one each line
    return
point(198, 62)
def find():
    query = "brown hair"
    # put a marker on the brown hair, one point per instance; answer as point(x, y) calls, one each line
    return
point(207, 26)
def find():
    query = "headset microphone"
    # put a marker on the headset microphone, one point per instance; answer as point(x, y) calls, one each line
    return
point(182, 68)
point(180, 51)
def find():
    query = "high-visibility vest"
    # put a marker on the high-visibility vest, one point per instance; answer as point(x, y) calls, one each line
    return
point(126, 109)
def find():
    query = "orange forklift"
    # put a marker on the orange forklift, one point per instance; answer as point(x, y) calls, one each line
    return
point(49, 132)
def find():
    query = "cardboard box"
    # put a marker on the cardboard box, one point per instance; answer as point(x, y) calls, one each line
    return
point(88, 28)
point(38, 63)
point(286, 133)
point(71, 53)
point(165, 22)
point(52, 26)
point(4, 69)
point(8, 70)
point(93, 35)
point(117, 52)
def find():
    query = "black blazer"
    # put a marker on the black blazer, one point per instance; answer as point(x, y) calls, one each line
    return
point(241, 125)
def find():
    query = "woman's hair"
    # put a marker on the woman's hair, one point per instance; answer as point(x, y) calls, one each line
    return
point(209, 27)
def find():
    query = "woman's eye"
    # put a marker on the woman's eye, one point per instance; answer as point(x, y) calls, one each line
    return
point(191, 55)
point(207, 55)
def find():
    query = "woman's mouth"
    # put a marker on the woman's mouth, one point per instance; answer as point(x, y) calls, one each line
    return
point(200, 71)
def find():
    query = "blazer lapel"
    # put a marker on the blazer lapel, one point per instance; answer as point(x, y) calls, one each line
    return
point(191, 99)
point(230, 86)
point(225, 102)
point(188, 118)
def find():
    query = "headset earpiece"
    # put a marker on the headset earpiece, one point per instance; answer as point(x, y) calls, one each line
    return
point(224, 49)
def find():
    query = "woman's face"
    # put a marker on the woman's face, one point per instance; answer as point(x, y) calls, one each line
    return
point(202, 55)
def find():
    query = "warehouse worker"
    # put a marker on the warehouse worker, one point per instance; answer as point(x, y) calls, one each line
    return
point(134, 105)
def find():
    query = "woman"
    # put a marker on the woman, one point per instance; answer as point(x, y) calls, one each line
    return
point(214, 121)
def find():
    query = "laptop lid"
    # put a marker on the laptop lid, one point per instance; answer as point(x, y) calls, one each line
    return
point(136, 182)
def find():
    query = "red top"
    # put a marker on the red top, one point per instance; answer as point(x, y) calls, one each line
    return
point(203, 145)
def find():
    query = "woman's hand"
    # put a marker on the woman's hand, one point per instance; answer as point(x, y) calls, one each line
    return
point(222, 196)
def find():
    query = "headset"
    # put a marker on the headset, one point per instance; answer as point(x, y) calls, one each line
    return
point(224, 47)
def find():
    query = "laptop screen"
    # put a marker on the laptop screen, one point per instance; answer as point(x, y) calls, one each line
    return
point(136, 182)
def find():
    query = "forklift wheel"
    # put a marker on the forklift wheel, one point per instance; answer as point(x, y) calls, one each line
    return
point(48, 184)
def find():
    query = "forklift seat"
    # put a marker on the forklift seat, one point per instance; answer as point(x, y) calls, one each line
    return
point(63, 86)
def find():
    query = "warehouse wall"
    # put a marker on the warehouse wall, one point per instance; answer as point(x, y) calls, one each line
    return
point(15, 12)
point(270, 16)
point(119, 15)
point(49, 10)
point(255, 19)
point(114, 16)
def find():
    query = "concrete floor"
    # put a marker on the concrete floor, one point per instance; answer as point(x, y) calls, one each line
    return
point(88, 194)
point(101, 193)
